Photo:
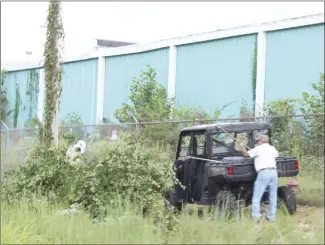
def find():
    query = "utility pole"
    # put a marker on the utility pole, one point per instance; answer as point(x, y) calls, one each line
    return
point(53, 73)
point(56, 118)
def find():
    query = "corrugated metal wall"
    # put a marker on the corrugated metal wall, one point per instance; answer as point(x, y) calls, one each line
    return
point(294, 59)
point(208, 74)
point(79, 93)
point(22, 95)
point(212, 74)
point(120, 70)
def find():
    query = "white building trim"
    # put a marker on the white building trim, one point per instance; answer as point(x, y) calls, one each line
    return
point(100, 90)
point(237, 31)
point(41, 95)
point(260, 74)
point(172, 71)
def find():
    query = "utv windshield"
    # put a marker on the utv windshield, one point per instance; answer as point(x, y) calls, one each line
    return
point(258, 133)
point(224, 144)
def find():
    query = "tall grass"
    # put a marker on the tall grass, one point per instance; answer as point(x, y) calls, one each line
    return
point(37, 222)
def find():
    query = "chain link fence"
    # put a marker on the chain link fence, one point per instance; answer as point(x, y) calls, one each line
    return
point(293, 134)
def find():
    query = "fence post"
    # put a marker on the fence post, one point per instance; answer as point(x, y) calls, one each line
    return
point(85, 132)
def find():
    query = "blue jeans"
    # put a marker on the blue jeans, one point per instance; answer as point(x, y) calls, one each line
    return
point(266, 180)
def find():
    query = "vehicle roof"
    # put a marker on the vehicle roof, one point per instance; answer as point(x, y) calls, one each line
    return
point(229, 127)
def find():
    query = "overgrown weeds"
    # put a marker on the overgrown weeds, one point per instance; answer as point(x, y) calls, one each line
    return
point(34, 221)
point(125, 169)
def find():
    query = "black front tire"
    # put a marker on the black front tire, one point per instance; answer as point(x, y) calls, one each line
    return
point(171, 203)
point(287, 198)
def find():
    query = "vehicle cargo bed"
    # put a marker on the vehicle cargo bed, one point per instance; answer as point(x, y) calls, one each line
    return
point(235, 169)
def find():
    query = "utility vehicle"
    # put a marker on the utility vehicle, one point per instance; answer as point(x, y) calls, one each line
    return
point(213, 171)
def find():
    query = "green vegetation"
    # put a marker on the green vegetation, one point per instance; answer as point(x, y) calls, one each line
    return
point(126, 168)
point(118, 180)
point(149, 102)
point(4, 99)
point(315, 126)
point(32, 94)
point(36, 222)
point(17, 106)
point(299, 136)
point(32, 98)
point(77, 129)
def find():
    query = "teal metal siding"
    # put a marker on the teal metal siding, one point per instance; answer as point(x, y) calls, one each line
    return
point(120, 70)
point(17, 83)
point(294, 60)
point(212, 74)
point(79, 93)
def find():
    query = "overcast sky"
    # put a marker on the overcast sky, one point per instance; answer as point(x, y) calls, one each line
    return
point(22, 24)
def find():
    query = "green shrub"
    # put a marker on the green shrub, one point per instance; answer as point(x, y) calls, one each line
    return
point(314, 103)
point(125, 170)
point(72, 127)
point(46, 172)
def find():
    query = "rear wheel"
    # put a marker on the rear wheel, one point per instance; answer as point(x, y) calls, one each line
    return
point(226, 204)
point(287, 199)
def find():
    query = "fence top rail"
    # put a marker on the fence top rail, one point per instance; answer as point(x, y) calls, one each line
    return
point(173, 121)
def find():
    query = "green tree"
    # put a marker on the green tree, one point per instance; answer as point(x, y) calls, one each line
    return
point(245, 112)
point(287, 132)
point(148, 100)
point(71, 127)
point(194, 113)
point(314, 104)
point(281, 107)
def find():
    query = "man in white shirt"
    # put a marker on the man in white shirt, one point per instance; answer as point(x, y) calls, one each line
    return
point(267, 176)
